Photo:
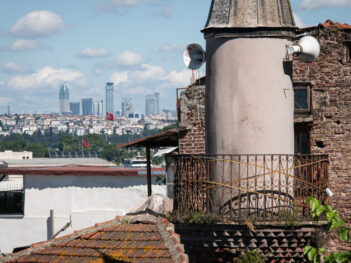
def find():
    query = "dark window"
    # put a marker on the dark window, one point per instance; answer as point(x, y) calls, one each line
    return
point(347, 51)
point(302, 98)
point(302, 138)
point(11, 202)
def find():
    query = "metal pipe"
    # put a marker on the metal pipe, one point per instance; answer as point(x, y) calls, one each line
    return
point(51, 224)
point(148, 168)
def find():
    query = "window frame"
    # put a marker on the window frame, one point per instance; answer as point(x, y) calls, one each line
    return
point(347, 52)
point(303, 86)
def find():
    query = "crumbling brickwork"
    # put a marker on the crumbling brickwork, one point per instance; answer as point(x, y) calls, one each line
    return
point(330, 118)
point(192, 120)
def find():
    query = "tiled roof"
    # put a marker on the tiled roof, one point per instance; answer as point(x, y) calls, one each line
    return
point(330, 23)
point(114, 241)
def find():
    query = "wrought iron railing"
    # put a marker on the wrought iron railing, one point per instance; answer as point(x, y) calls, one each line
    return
point(266, 187)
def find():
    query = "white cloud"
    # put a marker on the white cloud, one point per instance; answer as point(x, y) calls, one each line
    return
point(163, 7)
point(47, 78)
point(24, 44)
point(319, 4)
point(150, 77)
point(94, 53)
point(37, 24)
point(2, 83)
point(129, 59)
point(12, 67)
point(119, 77)
point(172, 48)
point(299, 21)
point(4, 100)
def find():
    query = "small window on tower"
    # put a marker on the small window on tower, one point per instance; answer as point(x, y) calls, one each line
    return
point(302, 98)
point(347, 51)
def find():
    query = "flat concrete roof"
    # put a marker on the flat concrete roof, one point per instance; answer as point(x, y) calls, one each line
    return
point(37, 162)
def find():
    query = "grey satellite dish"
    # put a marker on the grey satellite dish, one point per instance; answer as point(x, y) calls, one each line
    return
point(194, 56)
point(307, 48)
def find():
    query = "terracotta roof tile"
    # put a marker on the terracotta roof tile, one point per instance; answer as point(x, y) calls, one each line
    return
point(110, 242)
point(330, 23)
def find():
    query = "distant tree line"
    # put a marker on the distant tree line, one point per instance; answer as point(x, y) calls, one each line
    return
point(104, 145)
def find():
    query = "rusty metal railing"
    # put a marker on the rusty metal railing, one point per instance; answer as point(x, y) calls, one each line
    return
point(264, 187)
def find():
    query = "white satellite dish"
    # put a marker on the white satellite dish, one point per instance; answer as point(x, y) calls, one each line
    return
point(307, 48)
point(194, 56)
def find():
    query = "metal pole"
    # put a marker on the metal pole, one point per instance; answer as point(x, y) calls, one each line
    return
point(52, 223)
point(148, 168)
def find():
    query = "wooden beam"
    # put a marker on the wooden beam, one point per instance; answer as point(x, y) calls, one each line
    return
point(148, 168)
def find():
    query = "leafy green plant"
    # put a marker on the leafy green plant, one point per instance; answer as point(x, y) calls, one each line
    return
point(250, 256)
point(335, 223)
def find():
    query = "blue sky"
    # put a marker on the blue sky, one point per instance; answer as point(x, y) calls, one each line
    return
point(137, 44)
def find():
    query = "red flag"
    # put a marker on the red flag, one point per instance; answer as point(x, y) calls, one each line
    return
point(85, 144)
point(109, 116)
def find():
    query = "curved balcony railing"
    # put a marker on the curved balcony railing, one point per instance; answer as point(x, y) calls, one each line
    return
point(263, 187)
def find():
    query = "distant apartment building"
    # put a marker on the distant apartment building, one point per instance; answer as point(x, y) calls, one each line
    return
point(74, 107)
point(87, 106)
point(127, 107)
point(63, 99)
point(98, 107)
point(152, 104)
point(109, 97)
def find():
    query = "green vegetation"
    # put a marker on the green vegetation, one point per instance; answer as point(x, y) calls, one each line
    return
point(104, 145)
point(250, 256)
point(193, 217)
point(336, 224)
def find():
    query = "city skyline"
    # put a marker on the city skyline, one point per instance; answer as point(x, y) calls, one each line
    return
point(138, 45)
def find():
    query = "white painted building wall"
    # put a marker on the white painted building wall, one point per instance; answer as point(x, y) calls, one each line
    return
point(83, 200)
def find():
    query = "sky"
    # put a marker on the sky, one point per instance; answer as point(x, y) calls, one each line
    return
point(136, 44)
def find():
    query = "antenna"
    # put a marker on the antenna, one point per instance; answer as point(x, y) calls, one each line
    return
point(307, 48)
point(194, 56)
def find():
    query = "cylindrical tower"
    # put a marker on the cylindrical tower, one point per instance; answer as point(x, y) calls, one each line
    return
point(64, 99)
point(249, 93)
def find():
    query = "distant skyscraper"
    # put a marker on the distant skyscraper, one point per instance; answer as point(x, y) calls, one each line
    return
point(127, 107)
point(63, 99)
point(157, 101)
point(87, 106)
point(109, 98)
point(98, 108)
point(9, 109)
point(74, 107)
point(150, 105)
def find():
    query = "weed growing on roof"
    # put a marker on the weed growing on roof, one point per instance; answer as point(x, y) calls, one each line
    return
point(193, 217)
point(250, 256)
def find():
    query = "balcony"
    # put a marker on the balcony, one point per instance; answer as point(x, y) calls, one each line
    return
point(260, 187)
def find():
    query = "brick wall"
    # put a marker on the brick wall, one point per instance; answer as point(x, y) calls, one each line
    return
point(192, 120)
point(330, 118)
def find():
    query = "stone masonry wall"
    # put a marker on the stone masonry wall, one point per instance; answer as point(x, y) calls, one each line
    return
point(330, 78)
point(192, 120)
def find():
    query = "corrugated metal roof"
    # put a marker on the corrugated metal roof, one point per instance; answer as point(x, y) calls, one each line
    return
point(249, 14)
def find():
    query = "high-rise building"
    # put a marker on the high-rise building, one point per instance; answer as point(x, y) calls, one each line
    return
point(87, 106)
point(152, 104)
point(127, 107)
point(63, 99)
point(9, 109)
point(157, 106)
point(109, 98)
point(98, 108)
point(74, 107)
